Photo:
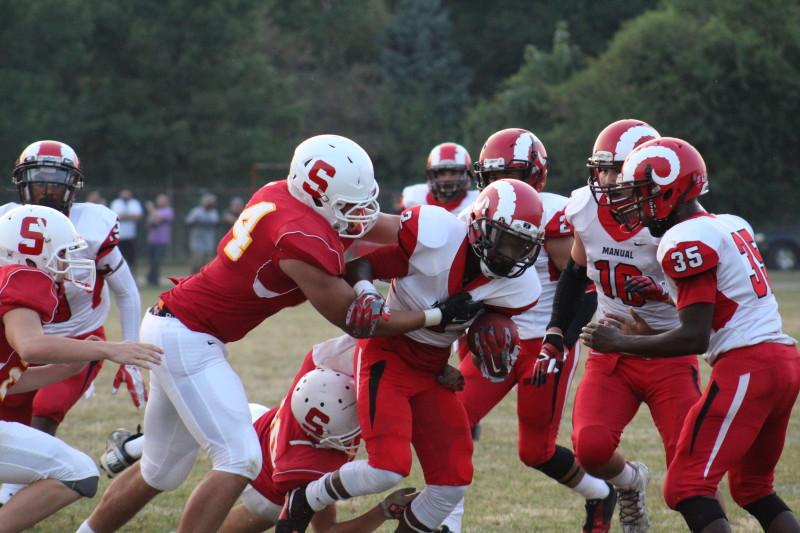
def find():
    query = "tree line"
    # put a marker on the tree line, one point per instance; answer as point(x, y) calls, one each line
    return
point(196, 92)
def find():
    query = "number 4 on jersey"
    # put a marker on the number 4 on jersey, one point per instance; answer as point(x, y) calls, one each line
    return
point(243, 227)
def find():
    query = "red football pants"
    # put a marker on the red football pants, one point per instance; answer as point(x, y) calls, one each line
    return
point(539, 409)
point(738, 427)
point(611, 390)
point(399, 406)
point(55, 400)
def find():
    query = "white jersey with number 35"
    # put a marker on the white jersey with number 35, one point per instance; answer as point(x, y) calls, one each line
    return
point(745, 309)
point(613, 256)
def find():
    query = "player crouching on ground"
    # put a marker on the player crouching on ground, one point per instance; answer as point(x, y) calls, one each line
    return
point(313, 431)
point(727, 310)
point(405, 388)
point(36, 253)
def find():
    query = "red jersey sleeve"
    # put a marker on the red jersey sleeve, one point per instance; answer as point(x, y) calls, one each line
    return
point(110, 242)
point(409, 229)
point(30, 288)
point(689, 258)
point(558, 226)
point(312, 249)
point(698, 289)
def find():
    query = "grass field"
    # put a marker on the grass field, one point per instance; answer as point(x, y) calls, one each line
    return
point(505, 496)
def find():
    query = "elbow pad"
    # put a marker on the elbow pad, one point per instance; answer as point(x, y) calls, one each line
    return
point(569, 292)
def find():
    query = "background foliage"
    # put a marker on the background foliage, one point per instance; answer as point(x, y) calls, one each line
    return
point(193, 93)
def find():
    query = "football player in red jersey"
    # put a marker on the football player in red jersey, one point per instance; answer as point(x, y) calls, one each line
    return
point(314, 430)
point(40, 250)
point(449, 177)
point(49, 173)
point(727, 311)
point(519, 154)
point(401, 398)
point(287, 246)
point(614, 384)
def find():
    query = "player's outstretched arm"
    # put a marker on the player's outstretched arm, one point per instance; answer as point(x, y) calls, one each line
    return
point(38, 376)
point(385, 229)
point(391, 508)
point(24, 333)
point(689, 338)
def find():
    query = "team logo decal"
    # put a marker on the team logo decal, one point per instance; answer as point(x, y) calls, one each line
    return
point(655, 156)
point(633, 137)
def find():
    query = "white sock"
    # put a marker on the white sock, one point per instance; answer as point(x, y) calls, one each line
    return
point(591, 488)
point(453, 520)
point(8, 490)
point(316, 494)
point(85, 528)
point(358, 479)
point(624, 480)
point(134, 447)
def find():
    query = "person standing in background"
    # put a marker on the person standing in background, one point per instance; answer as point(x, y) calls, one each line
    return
point(202, 222)
point(129, 211)
point(232, 213)
point(159, 235)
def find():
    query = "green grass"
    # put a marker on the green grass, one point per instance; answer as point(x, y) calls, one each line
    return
point(504, 497)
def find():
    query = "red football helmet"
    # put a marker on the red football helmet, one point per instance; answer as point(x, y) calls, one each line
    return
point(505, 228)
point(48, 173)
point(448, 156)
point(663, 174)
point(611, 148)
point(512, 153)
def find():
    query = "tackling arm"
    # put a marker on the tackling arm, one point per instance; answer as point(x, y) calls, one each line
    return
point(391, 508)
point(385, 229)
point(38, 376)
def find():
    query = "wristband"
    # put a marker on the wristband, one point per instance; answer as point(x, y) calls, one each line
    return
point(433, 317)
point(364, 286)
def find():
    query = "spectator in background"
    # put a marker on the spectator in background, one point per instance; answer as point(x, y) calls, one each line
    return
point(202, 222)
point(232, 213)
point(94, 197)
point(129, 211)
point(159, 235)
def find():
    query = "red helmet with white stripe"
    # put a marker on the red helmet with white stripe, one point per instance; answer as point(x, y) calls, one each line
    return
point(447, 186)
point(506, 229)
point(611, 147)
point(663, 174)
point(48, 173)
point(513, 153)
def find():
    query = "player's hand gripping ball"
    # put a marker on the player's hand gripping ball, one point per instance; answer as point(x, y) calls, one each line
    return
point(494, 342)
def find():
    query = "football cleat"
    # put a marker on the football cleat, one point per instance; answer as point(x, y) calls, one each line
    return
point(599, 512)
point(296, 513)
point(115, 459)
point(632, 508)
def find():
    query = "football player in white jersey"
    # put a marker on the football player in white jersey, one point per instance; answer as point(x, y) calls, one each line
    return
point(49, 173)
point(449, 177)
point(519, 154)
point(614, 384)
point(727, 310)
point(400, 400)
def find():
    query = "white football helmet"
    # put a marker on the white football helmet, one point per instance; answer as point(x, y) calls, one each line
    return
point(324, 404)
point(333, 175)
point(44, 238)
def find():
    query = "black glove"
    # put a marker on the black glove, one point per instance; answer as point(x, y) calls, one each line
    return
point(459, 309)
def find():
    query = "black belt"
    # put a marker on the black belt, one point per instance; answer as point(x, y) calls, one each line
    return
point(160, 309)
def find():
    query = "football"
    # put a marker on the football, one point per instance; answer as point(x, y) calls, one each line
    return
point(493, 339)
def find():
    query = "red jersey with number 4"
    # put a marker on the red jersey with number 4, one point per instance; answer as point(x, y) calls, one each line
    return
point(31, 288)
point(243, 284)
point(714, 259)
point(290, 459)
point(613, 256)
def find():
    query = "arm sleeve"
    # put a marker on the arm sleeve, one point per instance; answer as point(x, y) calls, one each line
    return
point(569, 293)
point(389, 261)
point(120, 281)
point(31, 289)
point(310, 249)
point(583, 314)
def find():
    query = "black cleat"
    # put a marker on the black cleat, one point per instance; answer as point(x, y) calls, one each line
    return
point(296, 513)
point(600, 512)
